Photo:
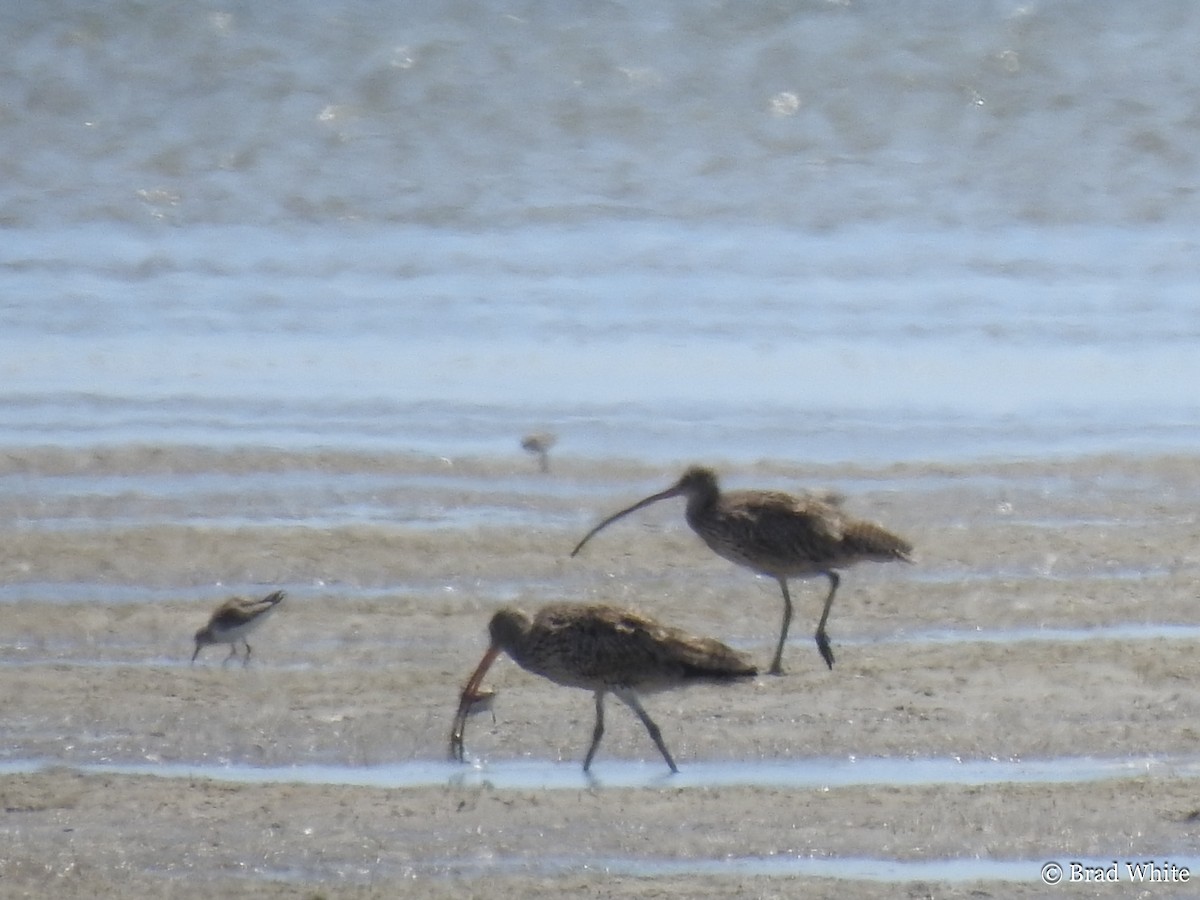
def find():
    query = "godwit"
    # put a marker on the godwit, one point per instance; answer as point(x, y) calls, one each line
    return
point(603, 649)
point(232, 621)
point(777, 534)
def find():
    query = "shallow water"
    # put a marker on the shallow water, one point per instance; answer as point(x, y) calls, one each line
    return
point(808, 774)
point(131, 652)
point(744, 386)
point(827, 233)
point(837, 868)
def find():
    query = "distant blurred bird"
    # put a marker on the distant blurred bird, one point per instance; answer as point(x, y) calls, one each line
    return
point(539, 444)
point(777, 534)
point(232, 621)
point(603, 649)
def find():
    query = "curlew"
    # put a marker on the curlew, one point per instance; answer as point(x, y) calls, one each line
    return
point(603, 649)
point(777, 534)
point(233, 620)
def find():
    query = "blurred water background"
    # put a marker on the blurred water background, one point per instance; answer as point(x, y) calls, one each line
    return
point(812, 231)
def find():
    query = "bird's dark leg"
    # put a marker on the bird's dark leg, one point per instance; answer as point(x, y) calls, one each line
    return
point(246, 658)
point(630, 699)
point(822, 637)
point(777, 663)
point(597, 732)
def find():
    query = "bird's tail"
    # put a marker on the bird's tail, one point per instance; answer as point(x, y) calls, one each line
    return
point(866, 540)
point(709, 658)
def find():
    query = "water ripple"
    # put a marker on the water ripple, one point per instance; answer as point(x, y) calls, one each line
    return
point(810, 774)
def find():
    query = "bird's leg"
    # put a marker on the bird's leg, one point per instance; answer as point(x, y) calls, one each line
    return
point(630, 699)
point(246, 658)
point(232, 654)
point(597, 732)
point(822, 637)
point(777, 663)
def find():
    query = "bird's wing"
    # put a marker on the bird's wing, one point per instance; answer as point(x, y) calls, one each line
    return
point(636, 643)
point(230, 609)
point(239, 610)
point(783, 524)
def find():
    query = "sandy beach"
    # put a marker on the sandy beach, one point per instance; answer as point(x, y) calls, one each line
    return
point(1050, 616)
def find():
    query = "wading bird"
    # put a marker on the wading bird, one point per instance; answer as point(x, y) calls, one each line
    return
point(603, 649)
point(539, 445)
point(776, 534)
point(232, 621)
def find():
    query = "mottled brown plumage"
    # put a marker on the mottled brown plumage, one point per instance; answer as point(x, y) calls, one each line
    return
point(603, 649)
point(233, 620)
point(777, 534)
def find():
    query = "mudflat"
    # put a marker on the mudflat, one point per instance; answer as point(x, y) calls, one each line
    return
point(1050, 619)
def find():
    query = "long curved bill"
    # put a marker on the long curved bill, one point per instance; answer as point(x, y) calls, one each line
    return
point(470, 695)
point(673, 491)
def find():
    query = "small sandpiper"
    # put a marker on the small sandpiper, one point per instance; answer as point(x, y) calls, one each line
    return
point(232, 621)
point(538, 445)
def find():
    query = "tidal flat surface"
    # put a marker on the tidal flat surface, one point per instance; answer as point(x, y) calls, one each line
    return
point(1021, 694)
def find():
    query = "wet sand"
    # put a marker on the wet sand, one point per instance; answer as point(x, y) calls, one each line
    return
point(978, 651)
